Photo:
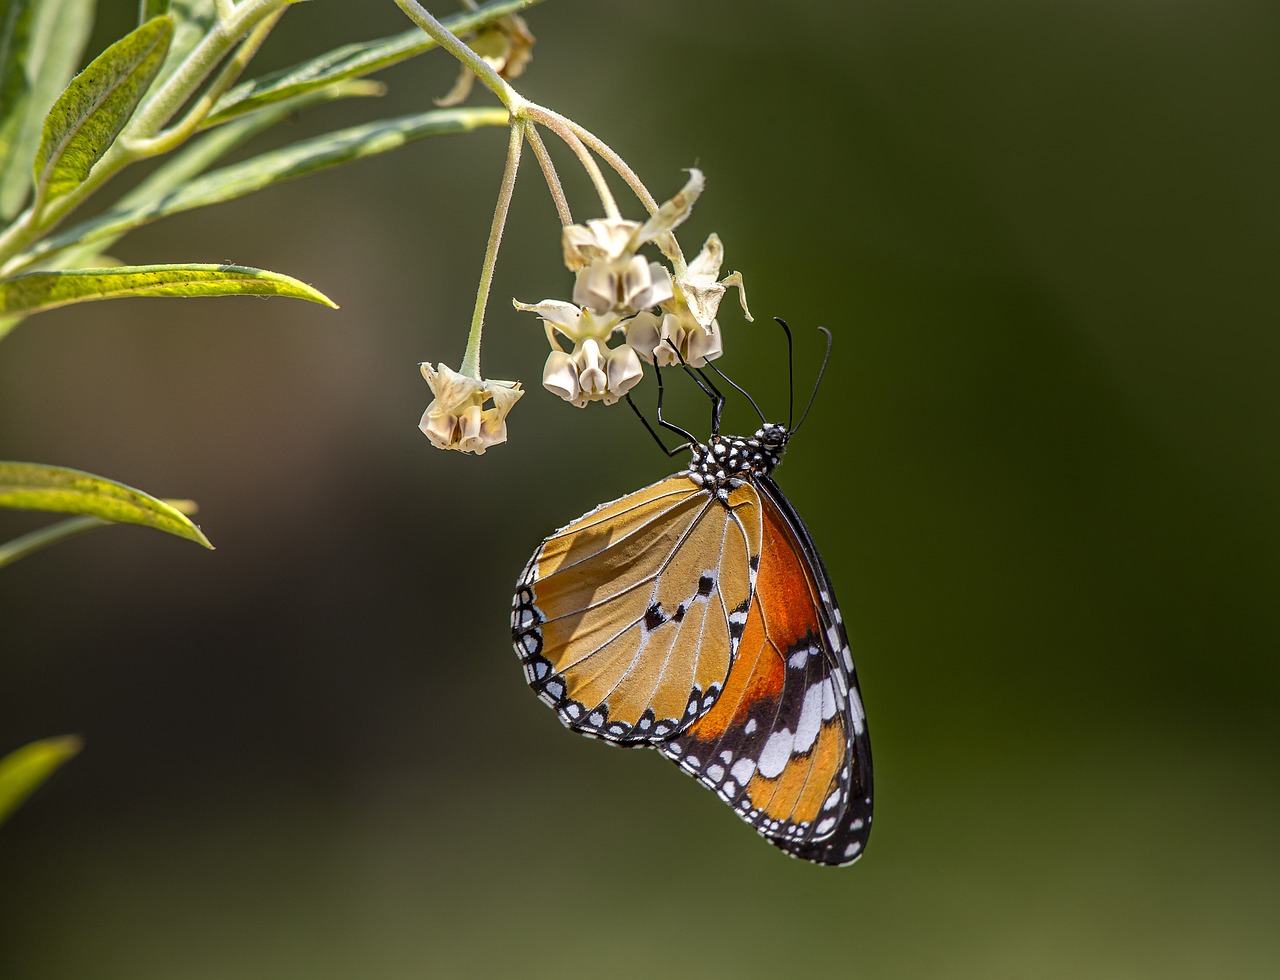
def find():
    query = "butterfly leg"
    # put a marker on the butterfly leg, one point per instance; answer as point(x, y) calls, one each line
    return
point(653, 432)
point(692, 441)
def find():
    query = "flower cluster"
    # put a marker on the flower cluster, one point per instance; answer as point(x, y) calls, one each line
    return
point(664, 317)
point(457, 418)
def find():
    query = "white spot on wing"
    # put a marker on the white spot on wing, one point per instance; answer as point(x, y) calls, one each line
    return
point(828, 700)
point(776, 752)
point(743, 770)
point(810, 719)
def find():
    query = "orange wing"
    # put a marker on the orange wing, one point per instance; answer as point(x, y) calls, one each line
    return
point(627, 619)
point(786, 745)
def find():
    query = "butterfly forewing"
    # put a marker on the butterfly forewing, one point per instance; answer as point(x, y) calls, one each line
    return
point(786, 744)
point(627, 620)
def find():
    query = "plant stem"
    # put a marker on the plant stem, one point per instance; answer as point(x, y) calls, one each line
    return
point(447, 40)
point(559, 125)
point(471, 359)
point(548, 171)
point(147, 121)
point(176, 135)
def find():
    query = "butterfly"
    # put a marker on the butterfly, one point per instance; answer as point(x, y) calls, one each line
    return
point(695, 617)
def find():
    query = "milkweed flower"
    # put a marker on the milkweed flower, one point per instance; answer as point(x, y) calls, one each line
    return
point(457, 418)
point(591, 371)
point(686, 323)
point(610, 276)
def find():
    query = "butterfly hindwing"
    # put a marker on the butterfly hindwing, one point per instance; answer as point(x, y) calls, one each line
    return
point(786, 745)
point(627, 620)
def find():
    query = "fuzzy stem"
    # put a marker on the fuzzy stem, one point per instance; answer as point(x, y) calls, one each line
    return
point(559, 125)
point(471, 359)
point(548, 171)
point(447, 40)
point(176, 135)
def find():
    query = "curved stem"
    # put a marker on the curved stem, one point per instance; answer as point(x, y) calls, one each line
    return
point(548, 171)
point(447, 40)
point(619, 165)
point(176, 135)
point(471, 359)
point(559, 125)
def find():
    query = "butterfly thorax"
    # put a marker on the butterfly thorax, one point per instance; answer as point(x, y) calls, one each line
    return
point(726, 461)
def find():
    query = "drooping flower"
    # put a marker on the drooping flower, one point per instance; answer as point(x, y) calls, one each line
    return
point(702, 293)
point(591, 371)
point(686, 326)
point(457, 418)
point(669, 338)
point(611, 277)
point(506, 45)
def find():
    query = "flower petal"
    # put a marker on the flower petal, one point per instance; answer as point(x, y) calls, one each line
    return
point(673, 212)
point(560, 376)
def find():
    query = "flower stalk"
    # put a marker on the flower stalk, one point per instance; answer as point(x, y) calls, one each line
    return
point(471, 359)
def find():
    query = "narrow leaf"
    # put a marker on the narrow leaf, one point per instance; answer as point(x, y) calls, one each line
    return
point(92, 110)
point(41, 68)
point(16, 18)
point(350, 61)
point(22, 772)
point(148, 9)
point(38, 291)
point(308, 156)
point(82, 244)
point(41, 538)
point(33, 486)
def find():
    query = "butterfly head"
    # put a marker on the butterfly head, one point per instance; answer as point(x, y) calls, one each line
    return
point(726, 461)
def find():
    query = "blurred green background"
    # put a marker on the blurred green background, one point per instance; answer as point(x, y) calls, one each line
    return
point(1043, 471)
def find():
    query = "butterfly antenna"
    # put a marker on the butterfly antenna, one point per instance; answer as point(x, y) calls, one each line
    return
point(791, 376)
point(821, 371)
point(742, 391)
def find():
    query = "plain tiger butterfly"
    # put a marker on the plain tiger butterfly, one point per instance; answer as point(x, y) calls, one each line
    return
point(696, 617)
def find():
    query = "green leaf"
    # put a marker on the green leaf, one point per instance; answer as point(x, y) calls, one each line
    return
point(39, 53)
point(75, 246)
point(350, 61)
point(22, 772)
point(15, 46)
point(148, 9)
point(38, 291)
point(92, 110)
point(41, 538)
point(308, 156)
point(33, 486)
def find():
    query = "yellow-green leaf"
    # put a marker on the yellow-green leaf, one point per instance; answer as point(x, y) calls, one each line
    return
point(34, 486)
point(94, 107)
point(287, 163)
point(22, 772)
point(38, 291)
point(40, 46)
